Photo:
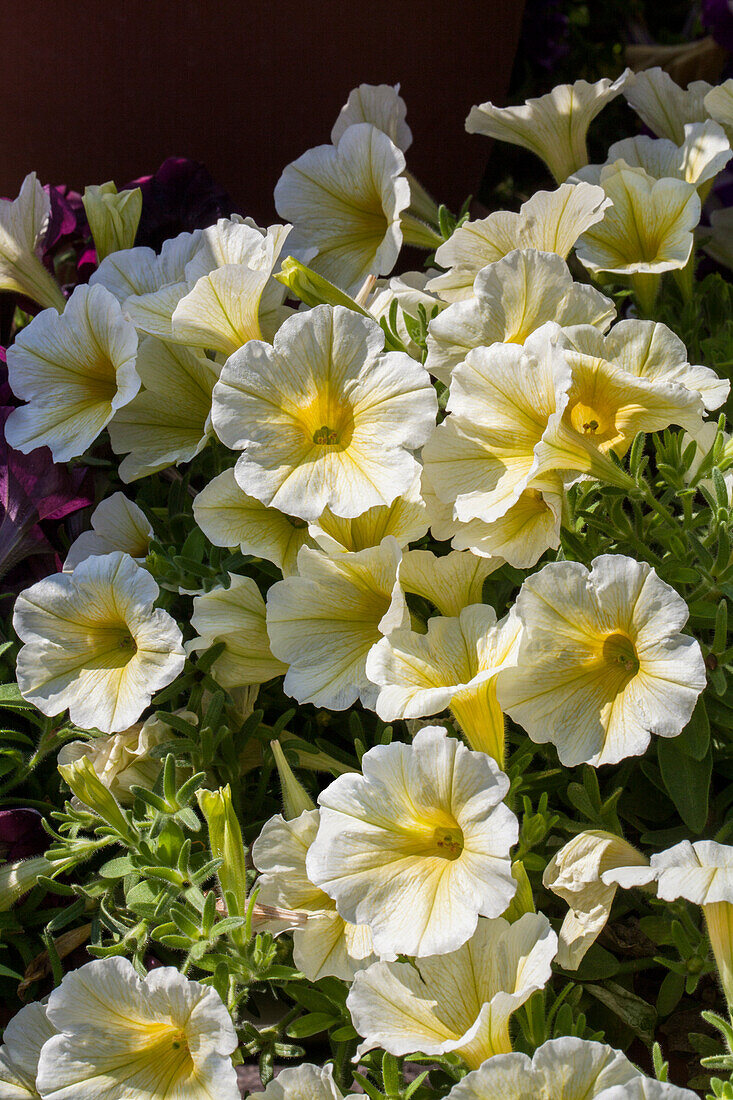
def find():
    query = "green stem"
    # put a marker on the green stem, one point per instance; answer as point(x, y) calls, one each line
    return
point(419, 233)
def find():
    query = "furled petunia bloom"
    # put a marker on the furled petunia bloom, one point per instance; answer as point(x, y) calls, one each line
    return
point(74, 370)
point(553, 126)
point(460, 1002)
point(169, 421)
point(94, 643)
point(418, 846)
point(382, 106)
point(23, 225)
point(719, 105)
point(113, 217)
point(663, 105)
point(561, 1069)
point(23, 1039)
point(549, 221)
point(697, 160)
point(228, 517)
point(121, 1035)
point(324, 418)
point(582, 873)
point(326, 943)
point(455, 664)
point(323, 622)
point(117, 524)
point(235, 616)
point(346, 201)
point(511, 299)
point(303, 1082)
point(405, 519)
point(602, 664)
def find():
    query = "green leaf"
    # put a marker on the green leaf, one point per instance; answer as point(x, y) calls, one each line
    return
point(11, 699)
point(695, 737)
point(687, 781)
point(670, 993)
point(635, 1013)
point(311, 1024)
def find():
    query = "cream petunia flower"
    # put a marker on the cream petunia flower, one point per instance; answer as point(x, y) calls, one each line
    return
point(169, 421)
point(663, 105)
point(418, 846)
point(124, 1036)
point(23, 1039)
point(602, 663)
point(553, 126)
point(719, 105)
point(561, 1069)
point(697, 160)
point(303, 1082)
point(94, 644)
point(23, 225)
point(646, 1088)
point(460, 1002)
point(405, 519)
point(324, 418)
point(137, 271)
point(74, 370)
point(235, 616)
point(582, 873)
point(450, 582)
point(511, 299)
point(454, 665)
point(326, 944)
point(117, 524)
point(323, 622)
point(382, 106)
point(346, 201)
point(550, 221)
point(228, 517)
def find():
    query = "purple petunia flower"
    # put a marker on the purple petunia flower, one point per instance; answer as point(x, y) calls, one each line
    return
point(21, 834)
point(180, 197)
point(717, 18)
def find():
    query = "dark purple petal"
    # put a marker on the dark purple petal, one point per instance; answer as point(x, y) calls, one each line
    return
point(180, 197)
point(21, 834)
point(717, 18)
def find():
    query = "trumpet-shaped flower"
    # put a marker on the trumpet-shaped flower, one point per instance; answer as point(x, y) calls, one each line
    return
point(719, 105)
point(121, 1035)
point(23, 1039)
point(450, 582)
point(460, 1002)
point(602, 664)
point(550, 221)
point(418, 846)
point(454, 665)
point(553, 126)
point(649, 227)
point(303, 1082)
point(324, 418)
point(169, 421)
point(561, 1069)
point(228, 517)
point(663, 105)
point(74, 370)
point(326, 943)
point(137, 271)
point(582, 874)
point(323, 622)
point(382, 106)
point(235, 616)
point(704, 152)
point(511, 299)
point(113, 217)
point(405, 519)
point(346, 201)
point(94, 644)
point(23, 225)
point(117, 524)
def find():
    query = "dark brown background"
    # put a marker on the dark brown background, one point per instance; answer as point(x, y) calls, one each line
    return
point(106, 89)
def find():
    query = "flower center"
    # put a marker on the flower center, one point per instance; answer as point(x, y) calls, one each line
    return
point(586, 420)
point(325, 436)
point(448, 842)
point(620, 656)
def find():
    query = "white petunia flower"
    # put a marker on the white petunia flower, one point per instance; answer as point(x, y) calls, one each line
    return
point(450, 582)
point(553, 126)
point(23, 226)
point(94, 644)
point(346, 201)
point(324, 418)
point(582, 873)
point(561, 1069)
point(418, 846)
point(602, 663)
point(663, 105)
point(235, 616)
point(169, 421)
point(719, 105)
point(511, 299)
point(228, 517)
point(117, 524)
point(646, 1088)
point(550, 221)
point(303, 1082)
point(454, 665)
point(704, 152)
point(326, 944)
point(405, 519)
point(382, 106)
point(460, 1002)
point(74, 370)
point(323, 622)
point(137, 271)
point(122, 1036)
point(23, 1039)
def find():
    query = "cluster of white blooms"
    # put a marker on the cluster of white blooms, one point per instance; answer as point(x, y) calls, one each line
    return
point(345, 442)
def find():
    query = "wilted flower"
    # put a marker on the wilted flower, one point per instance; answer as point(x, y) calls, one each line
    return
point(94, 644)
point(117, 524)
point(460, 1002)
point(418, 846)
